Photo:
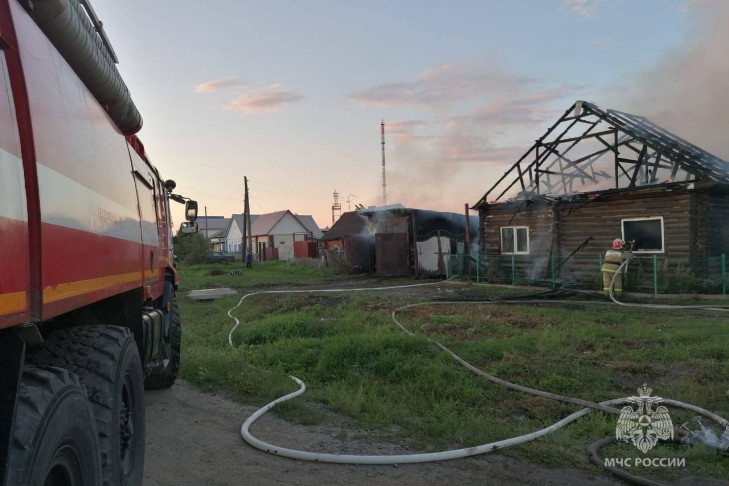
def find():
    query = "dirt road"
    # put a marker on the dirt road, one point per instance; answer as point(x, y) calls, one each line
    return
point(193, 439)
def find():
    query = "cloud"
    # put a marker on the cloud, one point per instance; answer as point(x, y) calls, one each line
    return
point(273, 99)
point(219, 84)
point(437, 87)
point(686, 93)
point(587, 9)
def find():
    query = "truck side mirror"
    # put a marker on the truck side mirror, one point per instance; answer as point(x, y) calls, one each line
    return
point(188, 228)
point(191, 210)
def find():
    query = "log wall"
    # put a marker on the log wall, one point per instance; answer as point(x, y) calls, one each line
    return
point(695, 224)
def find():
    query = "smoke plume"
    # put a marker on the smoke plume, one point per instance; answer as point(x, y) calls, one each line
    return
point(687, 92)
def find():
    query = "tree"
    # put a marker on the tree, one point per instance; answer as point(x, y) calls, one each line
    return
point(193, 248)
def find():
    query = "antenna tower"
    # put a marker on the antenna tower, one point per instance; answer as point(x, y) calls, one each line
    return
point(336, 207)
point(384, 181)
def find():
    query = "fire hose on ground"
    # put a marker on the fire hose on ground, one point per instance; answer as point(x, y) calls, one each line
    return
point(653, 306)
point(469, 451)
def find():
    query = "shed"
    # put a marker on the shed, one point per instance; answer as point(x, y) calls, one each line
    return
point(596, 175)
point(348, 244)
point(396, 241)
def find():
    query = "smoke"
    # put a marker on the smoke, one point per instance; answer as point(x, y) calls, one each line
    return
point(470, 130)
point(686, 93)
point(433, 168)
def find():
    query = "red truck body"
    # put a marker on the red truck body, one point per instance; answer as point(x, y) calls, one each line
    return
point(88, 316)
point(86, 214)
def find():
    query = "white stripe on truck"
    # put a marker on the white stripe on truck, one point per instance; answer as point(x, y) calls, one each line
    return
point(12, 187)
point(67, 203)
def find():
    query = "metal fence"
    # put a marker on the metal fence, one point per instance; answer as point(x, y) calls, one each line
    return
point(653, 274)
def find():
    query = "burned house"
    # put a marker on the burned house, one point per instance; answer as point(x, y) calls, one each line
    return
point(398, 241)
point(596, 175)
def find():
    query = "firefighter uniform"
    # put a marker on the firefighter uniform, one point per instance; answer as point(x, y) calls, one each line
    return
point(613, 259)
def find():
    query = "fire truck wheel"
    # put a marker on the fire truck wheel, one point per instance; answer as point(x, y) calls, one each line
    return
point(106, 359)
point(55, 440)
point(165, 376)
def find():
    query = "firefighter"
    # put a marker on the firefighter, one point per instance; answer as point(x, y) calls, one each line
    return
point(613, 258)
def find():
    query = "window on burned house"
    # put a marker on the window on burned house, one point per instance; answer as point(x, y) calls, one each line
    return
point(514, 240)
point(646, 232)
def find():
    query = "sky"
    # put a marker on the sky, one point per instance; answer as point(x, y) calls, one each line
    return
point(291, 94)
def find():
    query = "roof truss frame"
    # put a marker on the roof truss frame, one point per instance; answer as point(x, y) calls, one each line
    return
point(643, 154)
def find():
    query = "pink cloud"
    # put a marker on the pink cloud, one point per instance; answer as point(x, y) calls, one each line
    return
point(274, 99)
point(218, 84)
point(435, 87)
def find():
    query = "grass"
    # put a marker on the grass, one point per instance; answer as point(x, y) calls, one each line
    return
point(356, 362)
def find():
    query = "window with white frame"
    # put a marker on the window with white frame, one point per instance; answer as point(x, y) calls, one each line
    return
point(646, 232)
point(515, 240)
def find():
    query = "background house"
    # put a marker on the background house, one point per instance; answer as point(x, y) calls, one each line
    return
point(274, 235)
point(234, 235)
point(215, 229)
point(597, 175)
point(308, 221)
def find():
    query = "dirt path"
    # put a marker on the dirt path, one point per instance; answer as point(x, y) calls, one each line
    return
point(194, 439)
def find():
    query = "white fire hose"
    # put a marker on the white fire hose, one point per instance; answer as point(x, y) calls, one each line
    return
point(444, 455)
point(654, 306)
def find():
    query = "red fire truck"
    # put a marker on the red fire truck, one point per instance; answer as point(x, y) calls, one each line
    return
point(88, 316)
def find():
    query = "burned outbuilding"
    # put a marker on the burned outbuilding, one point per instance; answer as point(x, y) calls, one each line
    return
point(397, 241)
point(348, 244)
point(596, 175)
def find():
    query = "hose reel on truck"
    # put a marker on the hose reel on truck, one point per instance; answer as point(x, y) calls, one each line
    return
point(75, 31)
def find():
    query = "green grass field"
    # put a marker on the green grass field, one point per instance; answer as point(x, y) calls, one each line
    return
point(358, 363)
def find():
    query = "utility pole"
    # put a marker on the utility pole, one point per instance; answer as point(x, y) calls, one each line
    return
point(384, 181)
point(468, 232)
point(206, 229)
point(247, 218)
point(244, 233)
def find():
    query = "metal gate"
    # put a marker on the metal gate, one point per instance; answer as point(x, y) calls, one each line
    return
point(392, 255)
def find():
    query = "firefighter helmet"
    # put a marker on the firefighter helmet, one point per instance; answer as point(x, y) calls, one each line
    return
point(618, 244)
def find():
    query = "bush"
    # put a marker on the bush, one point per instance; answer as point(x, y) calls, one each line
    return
point(678, 278)
point(192, 248)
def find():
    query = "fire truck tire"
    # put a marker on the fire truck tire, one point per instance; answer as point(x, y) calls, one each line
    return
point(55, 440)
point(106, 359)
point(165, 376)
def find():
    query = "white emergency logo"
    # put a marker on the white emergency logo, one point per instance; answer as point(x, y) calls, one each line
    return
point(642, 425)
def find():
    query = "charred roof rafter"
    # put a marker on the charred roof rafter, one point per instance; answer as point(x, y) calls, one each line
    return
point(574, 154)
